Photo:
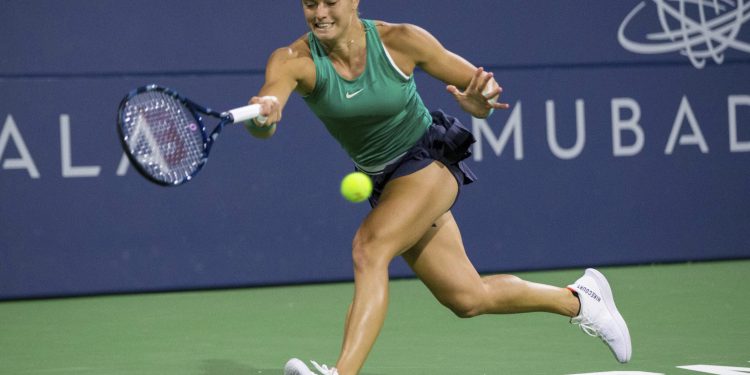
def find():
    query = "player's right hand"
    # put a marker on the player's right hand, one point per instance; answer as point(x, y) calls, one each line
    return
point(270, 111)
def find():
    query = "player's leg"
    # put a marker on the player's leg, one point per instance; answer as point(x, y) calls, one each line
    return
point(440, 261)
point(407, 208)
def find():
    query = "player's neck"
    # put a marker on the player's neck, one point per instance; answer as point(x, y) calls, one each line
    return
point(350, 46)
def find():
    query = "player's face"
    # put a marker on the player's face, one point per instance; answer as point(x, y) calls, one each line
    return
point(329, 19)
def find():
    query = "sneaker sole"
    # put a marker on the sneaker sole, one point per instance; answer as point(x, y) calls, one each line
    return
point(294, 366)
point(609, 301)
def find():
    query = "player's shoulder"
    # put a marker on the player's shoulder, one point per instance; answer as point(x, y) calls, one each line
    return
point(408, 43)
point(294, 59)
point(293, 62)
point(402, 35)
point(299, 49)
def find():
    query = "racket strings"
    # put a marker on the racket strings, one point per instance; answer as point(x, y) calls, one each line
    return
point(163, 136)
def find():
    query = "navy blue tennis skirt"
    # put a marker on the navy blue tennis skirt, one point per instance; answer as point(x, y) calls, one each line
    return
point(447, 141)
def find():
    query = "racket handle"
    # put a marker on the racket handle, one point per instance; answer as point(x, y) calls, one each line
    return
point(245, 113)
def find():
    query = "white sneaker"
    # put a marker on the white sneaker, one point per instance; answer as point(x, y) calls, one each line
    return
point(296, 367)
point(599, 315)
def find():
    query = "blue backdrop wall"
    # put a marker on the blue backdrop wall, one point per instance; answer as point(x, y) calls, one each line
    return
point(628, 142)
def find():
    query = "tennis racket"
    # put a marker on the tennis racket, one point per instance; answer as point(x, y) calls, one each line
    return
point(164, 136)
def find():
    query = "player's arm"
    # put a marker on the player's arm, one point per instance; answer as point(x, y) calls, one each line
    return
point(284, 71)
point(470, 86)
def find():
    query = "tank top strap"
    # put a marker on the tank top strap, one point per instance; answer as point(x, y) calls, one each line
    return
point(323, 66)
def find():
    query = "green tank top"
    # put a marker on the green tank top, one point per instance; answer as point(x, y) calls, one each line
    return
point(376, 117)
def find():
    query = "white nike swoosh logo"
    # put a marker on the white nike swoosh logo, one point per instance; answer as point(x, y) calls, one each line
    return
point(349, 96)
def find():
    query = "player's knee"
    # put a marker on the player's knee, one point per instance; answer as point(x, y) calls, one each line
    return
point(464, 306)
point(368, 251)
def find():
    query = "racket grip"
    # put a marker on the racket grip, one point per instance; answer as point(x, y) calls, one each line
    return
point(245, 113)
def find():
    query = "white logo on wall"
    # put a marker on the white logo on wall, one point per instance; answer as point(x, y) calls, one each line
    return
point(698, 29)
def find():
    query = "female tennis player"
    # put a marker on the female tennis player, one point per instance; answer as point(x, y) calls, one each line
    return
point(356, 75)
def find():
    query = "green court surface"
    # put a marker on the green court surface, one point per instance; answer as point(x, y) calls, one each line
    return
point(679, 315)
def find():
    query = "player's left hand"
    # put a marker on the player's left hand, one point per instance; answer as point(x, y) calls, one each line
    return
point(481, 95)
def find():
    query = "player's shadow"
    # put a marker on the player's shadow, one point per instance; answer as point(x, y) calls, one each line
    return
point(226, 367)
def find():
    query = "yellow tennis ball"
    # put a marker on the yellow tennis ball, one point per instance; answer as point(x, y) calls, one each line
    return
point(356, 187)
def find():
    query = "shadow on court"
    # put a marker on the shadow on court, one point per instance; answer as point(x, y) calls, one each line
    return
point(227, 367)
